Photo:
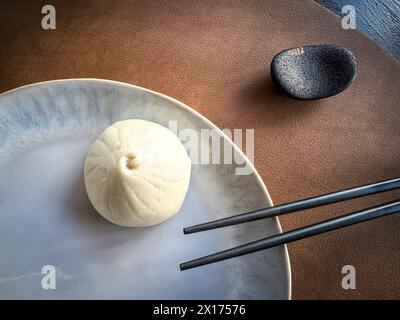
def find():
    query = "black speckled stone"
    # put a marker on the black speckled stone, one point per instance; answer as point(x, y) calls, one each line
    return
point(314, 72)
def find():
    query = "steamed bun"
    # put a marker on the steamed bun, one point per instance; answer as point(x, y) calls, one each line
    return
point(137, 173)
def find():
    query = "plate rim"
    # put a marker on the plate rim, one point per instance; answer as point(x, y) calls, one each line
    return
point(195, 114)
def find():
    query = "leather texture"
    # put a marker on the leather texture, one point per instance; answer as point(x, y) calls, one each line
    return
point(215, 57)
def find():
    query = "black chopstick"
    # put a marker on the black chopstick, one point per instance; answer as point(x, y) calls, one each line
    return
point(297, 234)
point(299, 205)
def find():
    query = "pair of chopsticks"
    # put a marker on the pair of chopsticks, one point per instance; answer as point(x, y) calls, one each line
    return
point(300, 233)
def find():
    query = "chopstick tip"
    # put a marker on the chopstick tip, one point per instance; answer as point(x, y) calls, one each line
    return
point(182, 267)
point(189, 230)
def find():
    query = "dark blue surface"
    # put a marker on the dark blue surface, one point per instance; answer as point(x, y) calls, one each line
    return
point(378, 19)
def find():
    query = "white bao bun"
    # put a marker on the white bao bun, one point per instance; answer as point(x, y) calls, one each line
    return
point(137, 173)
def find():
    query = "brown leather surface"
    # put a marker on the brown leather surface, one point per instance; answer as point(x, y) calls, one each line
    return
point(215, 56)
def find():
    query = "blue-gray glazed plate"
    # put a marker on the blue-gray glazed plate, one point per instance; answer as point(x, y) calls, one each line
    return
point(46, 218)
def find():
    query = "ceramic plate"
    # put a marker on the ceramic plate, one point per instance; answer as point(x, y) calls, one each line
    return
point(46, 218)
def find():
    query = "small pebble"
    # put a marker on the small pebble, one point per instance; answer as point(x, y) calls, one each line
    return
point(314, 72)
